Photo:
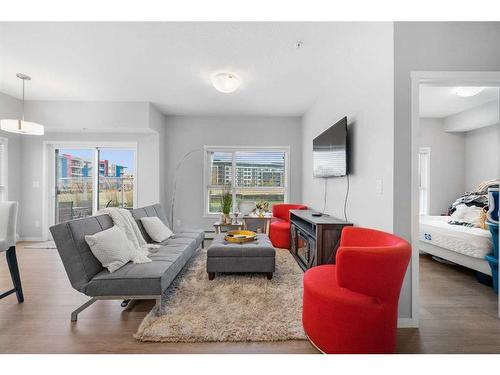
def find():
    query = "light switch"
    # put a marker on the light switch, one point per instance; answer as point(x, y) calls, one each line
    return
point(379, 186)
point(36, 184)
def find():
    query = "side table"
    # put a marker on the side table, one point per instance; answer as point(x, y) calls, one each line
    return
point(221, 227)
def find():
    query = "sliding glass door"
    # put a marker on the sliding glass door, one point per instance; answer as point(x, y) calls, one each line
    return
point(116, 178)
point(74, 183)
point(90, 179)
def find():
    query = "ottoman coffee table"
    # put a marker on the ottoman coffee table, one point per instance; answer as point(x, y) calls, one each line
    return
point(256, 256)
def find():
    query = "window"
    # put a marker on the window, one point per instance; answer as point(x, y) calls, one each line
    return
point(250, 174)
point(424, 158)
point(3, 169)
point(88, 179)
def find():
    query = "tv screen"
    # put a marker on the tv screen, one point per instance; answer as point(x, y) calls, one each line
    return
point(330, 151)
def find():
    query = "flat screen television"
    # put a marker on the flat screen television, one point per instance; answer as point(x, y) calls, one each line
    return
point(330, 150)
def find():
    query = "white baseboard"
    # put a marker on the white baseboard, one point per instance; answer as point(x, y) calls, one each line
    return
point(31, 239)
point(407, 323)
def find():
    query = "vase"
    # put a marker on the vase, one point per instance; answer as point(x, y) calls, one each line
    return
point(261, 213)
point(227, 219)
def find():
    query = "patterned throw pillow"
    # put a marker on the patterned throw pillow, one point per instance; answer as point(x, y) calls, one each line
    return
point(112, 248)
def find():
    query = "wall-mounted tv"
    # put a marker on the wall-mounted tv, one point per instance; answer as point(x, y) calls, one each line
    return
point(330, 151)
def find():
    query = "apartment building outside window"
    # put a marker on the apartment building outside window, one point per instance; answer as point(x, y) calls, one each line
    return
point(251, 174)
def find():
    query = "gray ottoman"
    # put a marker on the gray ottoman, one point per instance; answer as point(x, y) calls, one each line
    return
point(256, 256)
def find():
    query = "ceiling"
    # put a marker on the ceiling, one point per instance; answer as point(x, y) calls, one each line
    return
point(441, 102)
point(169, 63)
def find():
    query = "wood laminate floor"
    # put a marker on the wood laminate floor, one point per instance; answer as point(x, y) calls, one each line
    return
point(458, 315)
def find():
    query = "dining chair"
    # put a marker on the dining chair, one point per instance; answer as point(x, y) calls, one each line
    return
point(8, 220)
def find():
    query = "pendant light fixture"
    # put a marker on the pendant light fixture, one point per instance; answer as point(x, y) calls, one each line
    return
point(19, 125)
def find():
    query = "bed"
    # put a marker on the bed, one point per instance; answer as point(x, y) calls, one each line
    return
point(458, 244)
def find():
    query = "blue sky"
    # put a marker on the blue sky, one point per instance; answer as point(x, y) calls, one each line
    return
point(120, 157)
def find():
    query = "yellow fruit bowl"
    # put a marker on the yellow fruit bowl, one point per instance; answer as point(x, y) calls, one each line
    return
point(240, 236)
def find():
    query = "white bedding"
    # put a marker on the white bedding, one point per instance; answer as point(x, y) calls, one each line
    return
point(474, 242)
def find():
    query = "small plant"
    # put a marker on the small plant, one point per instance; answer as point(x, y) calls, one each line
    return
point(261, 207)
point(226, 200)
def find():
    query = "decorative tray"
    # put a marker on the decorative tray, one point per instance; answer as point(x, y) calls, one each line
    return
point(240, 236)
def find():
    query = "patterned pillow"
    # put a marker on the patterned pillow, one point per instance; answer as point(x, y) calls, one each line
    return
point(112, 248)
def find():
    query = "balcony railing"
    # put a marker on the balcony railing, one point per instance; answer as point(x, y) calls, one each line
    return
point(75, 195)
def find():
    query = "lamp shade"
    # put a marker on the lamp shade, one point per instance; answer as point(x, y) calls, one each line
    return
point(21, 127)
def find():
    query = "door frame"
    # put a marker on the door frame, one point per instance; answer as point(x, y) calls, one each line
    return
point(427, 151)
point(48, 183)
point(438, 78)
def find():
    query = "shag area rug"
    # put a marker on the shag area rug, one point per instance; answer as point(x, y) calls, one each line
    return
point(232, 307)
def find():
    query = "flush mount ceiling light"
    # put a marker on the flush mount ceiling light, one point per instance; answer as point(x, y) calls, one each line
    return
point(468, 91)
point(225, 82)
point(19, 125)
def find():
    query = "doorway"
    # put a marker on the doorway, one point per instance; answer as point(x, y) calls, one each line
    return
point(85, 178)
point(444, 79)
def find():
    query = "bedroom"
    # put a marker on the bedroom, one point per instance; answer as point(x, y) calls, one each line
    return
point(459, 137)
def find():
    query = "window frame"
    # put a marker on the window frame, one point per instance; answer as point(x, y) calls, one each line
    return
point(4, 170)
point(234, 149)
point(426, 169)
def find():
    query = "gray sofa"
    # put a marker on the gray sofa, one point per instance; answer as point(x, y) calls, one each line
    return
point(132, 281)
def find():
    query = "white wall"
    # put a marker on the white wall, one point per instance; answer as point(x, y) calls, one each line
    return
point(447, 165)
point(482, 155)
point(430, 46)
point(186, 133)
point(75, 116)
point(158, 123)
point(361, 88)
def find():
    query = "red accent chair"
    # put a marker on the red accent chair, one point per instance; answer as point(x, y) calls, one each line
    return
point(352, 306)
point(279, 229)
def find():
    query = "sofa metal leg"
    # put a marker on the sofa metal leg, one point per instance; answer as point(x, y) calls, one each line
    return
point(74, 314)
point(14, 273)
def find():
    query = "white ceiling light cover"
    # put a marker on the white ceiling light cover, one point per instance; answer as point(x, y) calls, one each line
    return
point(225, 82)
point(21, 127)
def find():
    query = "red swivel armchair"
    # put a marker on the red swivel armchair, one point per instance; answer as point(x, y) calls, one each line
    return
point(352, 306)
point(279, 229)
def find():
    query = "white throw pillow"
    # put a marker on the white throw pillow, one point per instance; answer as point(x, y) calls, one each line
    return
point(156, 229)
point(112, 248)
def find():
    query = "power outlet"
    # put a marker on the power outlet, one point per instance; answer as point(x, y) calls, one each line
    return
point(37, 224)
point(178, 223)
